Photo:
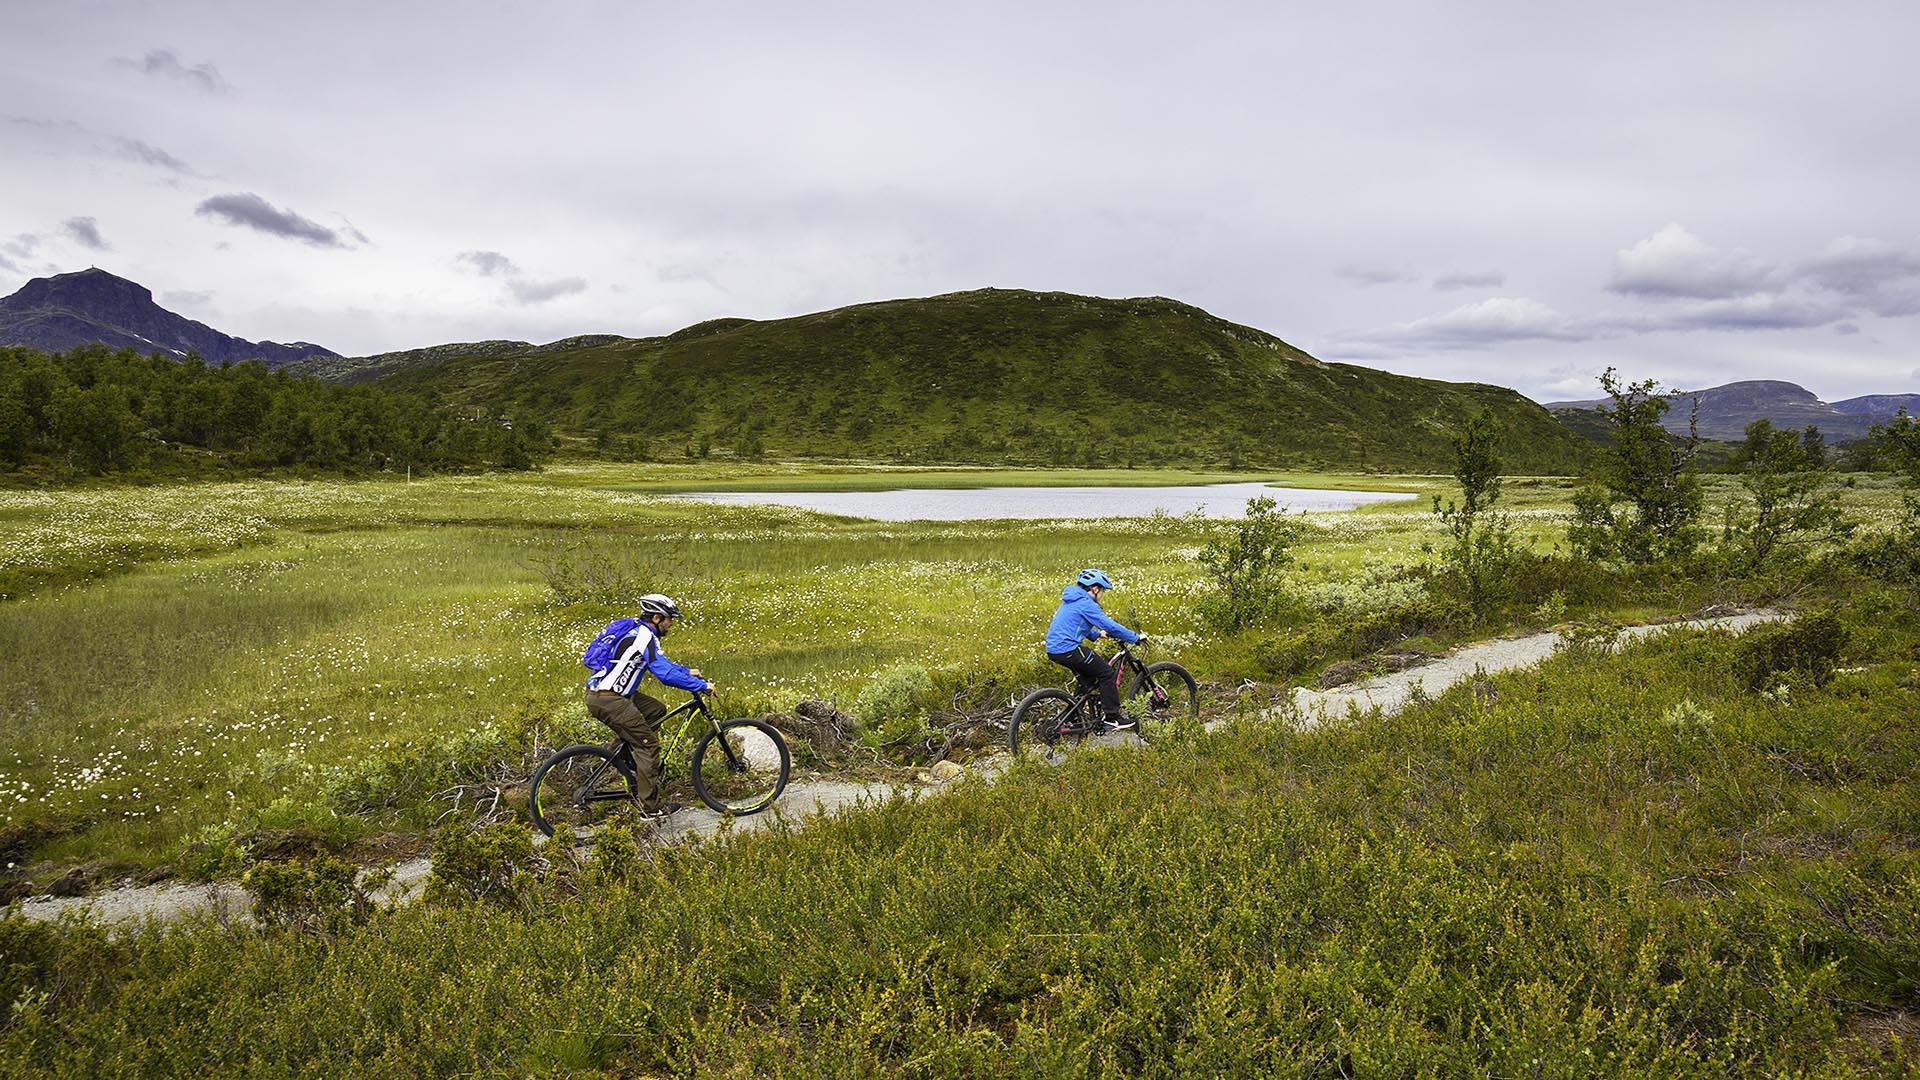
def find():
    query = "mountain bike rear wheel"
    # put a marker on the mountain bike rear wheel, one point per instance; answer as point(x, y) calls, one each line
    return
point(1162, 693)
point(741, 768)
point(578, 786)
point(1046, 722)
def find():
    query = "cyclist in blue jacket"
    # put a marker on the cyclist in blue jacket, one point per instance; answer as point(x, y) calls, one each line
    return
point(614, 698)
point(1080, 617)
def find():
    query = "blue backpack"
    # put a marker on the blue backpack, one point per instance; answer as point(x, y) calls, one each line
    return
point(599, 655)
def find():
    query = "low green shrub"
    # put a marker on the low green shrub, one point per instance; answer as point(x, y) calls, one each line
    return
point(323, 896)
point(617, 857)
point(492, 863)
point(893, 707)
point(1810, 645)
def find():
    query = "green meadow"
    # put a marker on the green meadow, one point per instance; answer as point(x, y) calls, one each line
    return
point(1633, 865)
point(1622, 866)
point(188, 658)
point(194, 662)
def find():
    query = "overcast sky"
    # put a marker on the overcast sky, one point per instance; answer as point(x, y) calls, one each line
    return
point(1521, 193)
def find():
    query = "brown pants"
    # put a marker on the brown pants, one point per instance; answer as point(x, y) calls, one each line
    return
point(635, 720)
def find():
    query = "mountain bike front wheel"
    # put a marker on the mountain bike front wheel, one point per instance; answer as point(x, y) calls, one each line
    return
point(578, 786)
point(1162, 693)
point(741, 766)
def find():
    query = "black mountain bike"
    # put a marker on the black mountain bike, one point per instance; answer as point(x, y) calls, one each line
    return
point(738, 767)
point(1051, 720)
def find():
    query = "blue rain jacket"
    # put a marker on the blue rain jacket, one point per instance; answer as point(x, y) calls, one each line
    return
point(1079, 616)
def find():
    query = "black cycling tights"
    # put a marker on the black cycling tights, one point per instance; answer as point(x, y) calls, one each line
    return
point(1092, 667)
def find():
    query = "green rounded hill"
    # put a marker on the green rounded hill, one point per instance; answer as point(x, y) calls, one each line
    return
point(993, 375)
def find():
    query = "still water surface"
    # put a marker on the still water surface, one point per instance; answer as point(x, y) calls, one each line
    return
point(971, 504)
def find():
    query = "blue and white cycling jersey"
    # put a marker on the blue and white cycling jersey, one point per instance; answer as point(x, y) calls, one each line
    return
point(637, 656)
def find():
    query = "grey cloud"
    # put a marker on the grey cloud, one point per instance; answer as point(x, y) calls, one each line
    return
point(1846, 329)
point(120, 146)
point(487, 263)
point(1486, 322)
point(1882, 278)
point(539, 292)
point(85, 231)
point(250, 211)
point(1499, 320)
point(1675, 264)
point(15, 250)
point(1858, 267)
point(1895, 302)
point(1469, 279)
point(1762, 312)
point(525, 290)
point(147, 154)
point(166, 64)
point(1372, 275)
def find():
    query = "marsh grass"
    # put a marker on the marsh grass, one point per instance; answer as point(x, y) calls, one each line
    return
point(1552, 876)
point(185, 659)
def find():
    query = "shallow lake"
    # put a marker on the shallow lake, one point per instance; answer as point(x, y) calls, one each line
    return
point(971, 504)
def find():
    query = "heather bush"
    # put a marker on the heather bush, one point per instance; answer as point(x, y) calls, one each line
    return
point(486, 863)
point(322, 896)
point(1810, 645)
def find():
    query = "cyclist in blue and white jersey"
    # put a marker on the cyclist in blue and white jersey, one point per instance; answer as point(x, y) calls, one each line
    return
point(614, 698)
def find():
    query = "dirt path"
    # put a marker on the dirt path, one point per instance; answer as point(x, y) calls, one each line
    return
point(810, 799)
point(1390, 693)
point(171, 900)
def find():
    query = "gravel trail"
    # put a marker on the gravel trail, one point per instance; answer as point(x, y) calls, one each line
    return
point(824, 798)
point(1390, 693)
point(801, 801)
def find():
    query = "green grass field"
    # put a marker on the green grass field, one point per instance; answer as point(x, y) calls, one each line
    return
point(1624, 867)
point(1608, 867)
point(181, 661)
point(178, 658)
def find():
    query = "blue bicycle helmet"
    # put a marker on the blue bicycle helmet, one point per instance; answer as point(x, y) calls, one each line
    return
point(1090, 577)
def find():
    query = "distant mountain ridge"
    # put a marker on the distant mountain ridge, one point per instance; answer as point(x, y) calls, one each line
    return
point(990, 375)
point(1725, 411)
point(94, 307)
point(1880, 404)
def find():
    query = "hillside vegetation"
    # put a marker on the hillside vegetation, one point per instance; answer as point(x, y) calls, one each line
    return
point(93, 412)
point(992, 375)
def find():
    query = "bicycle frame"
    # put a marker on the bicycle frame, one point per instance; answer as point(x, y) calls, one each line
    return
point(669, 747)
point(1123, 661)
point(697, 703)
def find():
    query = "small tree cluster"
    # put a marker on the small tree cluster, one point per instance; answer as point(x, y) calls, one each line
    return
point(1645, 502)
point(1790, 484)
point(1897, 445)
point(1244, 561)
point(1480, 548)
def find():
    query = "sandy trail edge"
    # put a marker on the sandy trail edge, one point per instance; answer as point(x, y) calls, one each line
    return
point(825, 798)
